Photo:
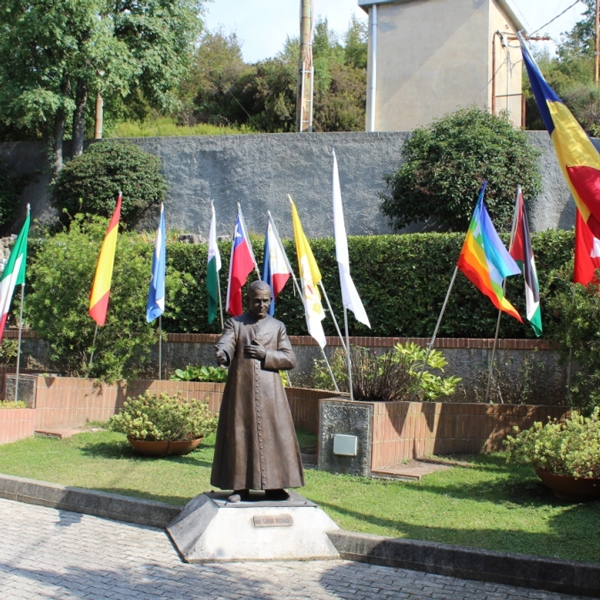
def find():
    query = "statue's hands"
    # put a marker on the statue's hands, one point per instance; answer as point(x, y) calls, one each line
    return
point(255, 350)
point(222, 358)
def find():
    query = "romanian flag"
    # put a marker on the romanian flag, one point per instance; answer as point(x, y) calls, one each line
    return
point(104, 269)
point(577, 156)
point(522, 251)
point(587, 253)
point(485, 261)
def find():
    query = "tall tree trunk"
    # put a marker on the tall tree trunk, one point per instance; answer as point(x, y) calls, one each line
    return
point(81, 97)
point(57, 143)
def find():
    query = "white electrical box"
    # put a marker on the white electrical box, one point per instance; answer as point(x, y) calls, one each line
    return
point(345, 445)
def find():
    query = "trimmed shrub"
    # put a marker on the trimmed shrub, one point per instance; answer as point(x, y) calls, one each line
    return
point(445, 165)
point(90, 183)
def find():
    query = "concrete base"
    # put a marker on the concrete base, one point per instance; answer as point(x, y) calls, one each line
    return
point(210, 529)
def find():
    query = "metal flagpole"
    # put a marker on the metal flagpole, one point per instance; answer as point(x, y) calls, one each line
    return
point(20, 330)
point(349, 359)
point(93, 346)
point(435, 331)
point(19, 342)
point(513, 232)
point(159, 347)
point(220, 301)
point(297, 287)
point(333, 316)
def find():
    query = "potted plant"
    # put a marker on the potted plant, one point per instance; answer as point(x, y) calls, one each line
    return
point(565, 455)
point(162, 424)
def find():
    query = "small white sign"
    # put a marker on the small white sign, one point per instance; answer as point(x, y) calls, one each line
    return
point(345, 445)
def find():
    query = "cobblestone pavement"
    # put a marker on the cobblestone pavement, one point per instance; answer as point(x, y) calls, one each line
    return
point(48, 553)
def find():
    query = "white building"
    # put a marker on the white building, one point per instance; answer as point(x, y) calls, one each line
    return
point(428, 58)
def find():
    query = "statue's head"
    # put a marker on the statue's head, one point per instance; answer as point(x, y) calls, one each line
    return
point(259, 299)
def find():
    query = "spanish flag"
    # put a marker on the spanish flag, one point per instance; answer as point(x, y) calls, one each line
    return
point(577, 156)
point(104, 269)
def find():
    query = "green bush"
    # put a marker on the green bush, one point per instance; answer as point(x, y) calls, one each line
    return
point(62, 270)
point(399, 374)
point(577, 310)
point(402, 281)
point(571, 448)
point(160, 417)
point(197, 373)
point(445, 165)
point(90, 183)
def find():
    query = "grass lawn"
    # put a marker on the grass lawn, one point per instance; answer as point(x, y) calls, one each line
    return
point(480, 503)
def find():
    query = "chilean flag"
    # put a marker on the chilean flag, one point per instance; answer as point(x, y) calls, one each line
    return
point(587, 253)
point(276, 268)
point(241, 265)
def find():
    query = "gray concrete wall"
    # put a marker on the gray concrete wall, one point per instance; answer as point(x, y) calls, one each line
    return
point(259, 171)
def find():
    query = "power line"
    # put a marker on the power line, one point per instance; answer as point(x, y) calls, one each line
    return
point(556, 17)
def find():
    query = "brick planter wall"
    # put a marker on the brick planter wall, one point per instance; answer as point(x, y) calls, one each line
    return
point(70, 402)
point(16, 424)
point(393, 432)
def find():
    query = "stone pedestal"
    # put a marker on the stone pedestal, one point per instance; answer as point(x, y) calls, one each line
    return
point(210, 529)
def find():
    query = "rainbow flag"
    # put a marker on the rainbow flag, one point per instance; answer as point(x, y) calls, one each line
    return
point(577, 156)
point(485, 261)
point(104, 269)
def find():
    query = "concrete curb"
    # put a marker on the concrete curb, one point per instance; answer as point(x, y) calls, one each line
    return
point(570, 577)
point(89, 502)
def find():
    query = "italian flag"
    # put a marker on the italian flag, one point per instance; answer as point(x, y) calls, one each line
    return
point(14, 273)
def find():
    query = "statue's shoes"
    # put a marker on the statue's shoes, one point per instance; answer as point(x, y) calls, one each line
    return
point(276, 495)
point(238, 496)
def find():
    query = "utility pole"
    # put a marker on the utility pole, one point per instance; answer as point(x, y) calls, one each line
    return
point(304, 104)
point(596, 48)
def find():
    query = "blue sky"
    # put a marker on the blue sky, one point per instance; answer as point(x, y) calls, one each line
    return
point(263, 25)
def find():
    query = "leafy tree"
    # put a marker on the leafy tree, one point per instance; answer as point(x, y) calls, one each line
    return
point(263, 96)
point(356, 41)
point(62, 271)
point(90, 183)
point(217, 66)
point(445, 165)
point(571, 75)
point(56, 54)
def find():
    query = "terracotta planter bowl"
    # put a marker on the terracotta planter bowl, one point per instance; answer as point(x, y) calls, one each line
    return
point(571, 488)
point(164, 448)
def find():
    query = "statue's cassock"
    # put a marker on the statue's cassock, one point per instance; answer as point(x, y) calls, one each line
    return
point(256, 445)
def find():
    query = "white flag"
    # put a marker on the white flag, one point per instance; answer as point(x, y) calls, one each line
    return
point(350, 298)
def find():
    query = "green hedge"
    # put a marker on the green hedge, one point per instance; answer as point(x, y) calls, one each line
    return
point(402, 280)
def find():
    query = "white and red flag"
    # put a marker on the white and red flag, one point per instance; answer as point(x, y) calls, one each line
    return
point(587, 253)
point(276, 267)
point(241, 265)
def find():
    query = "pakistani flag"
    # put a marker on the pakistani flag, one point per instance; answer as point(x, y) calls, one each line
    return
point(522, 252)
point(13, 274)
point(212, 269)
